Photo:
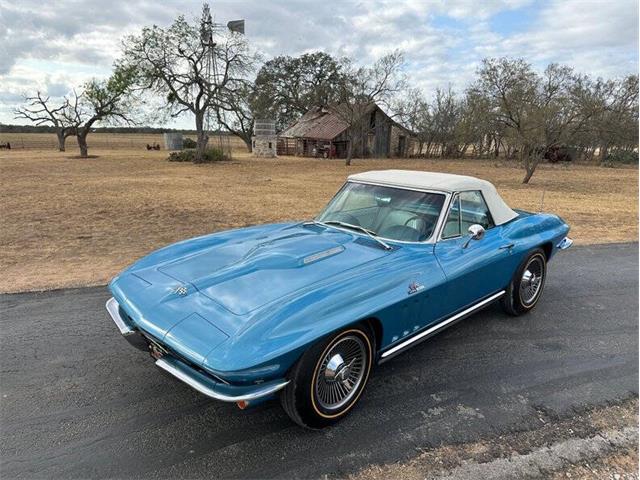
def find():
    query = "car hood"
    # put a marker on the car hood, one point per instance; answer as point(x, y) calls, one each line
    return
point(227, 280)
point(243, 276)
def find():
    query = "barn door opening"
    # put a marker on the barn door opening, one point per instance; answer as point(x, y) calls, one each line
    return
point(402, 142)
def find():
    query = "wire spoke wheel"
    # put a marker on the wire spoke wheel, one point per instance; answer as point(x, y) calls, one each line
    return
point(341, 372)
point(531, 282)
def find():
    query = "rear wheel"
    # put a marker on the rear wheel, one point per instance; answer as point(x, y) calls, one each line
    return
point(527, 284)
point(329, 378)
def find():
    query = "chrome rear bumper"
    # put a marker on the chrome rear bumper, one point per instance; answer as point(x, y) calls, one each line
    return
point(565, 243)
point(196, 379)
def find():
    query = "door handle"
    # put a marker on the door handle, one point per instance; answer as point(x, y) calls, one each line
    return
point(508, 246)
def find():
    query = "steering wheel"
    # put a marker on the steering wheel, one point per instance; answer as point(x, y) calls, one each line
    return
point(417, 217)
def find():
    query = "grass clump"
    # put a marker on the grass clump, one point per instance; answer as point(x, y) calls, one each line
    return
point(620, 157)
point(189, 143)
point(210, 155)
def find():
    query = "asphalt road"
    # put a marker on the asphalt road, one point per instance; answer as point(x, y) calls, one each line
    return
point(77, 401)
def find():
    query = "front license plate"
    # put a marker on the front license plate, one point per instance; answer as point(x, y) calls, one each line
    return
point(156, 350)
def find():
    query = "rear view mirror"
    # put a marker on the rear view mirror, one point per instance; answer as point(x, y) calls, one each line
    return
point(383, 201)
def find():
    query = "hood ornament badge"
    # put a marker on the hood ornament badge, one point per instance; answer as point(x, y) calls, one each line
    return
point(181, 290)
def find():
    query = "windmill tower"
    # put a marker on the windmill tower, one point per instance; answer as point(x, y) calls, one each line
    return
point(208, 31)
point(265, 140)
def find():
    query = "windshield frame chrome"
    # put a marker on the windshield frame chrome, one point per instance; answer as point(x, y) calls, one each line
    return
point(431, 240)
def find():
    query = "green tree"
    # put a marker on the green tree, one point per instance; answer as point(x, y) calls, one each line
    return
point(101, 101)
point(287, 87)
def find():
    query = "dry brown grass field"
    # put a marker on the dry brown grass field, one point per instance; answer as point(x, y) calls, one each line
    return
point(103, 141)
point(71, 222)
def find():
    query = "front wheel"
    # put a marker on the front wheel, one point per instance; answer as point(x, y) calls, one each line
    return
point(527, 284)
point(329, 378)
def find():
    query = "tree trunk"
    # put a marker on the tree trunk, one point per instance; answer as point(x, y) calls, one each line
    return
point(82, 144)
point(531, 159)
point(248, 142)
point(347, 161)
point(604, 151)
point(202, 138)
point(61, 139)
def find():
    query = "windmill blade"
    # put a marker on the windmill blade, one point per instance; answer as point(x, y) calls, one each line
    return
point(236, 26)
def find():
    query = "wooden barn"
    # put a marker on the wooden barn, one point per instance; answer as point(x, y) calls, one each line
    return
point(323, 132)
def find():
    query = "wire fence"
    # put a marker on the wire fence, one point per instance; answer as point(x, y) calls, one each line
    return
point(103, 141)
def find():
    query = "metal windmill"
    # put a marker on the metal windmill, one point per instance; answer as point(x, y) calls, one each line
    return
point(208, 31)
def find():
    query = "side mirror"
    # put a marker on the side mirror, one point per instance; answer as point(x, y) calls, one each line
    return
point(476, 232)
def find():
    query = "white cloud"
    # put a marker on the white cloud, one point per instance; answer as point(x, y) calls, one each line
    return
point(595, 37)
point(56, 45)
point(472, 9)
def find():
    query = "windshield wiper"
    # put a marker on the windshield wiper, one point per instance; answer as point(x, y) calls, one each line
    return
point(373, 235)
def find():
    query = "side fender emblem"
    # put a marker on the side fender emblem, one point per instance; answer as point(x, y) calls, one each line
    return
point(415, 287)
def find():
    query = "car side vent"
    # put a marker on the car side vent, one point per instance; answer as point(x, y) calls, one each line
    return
point(324, 254)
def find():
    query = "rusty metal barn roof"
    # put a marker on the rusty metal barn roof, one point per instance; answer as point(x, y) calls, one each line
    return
point(319, 123)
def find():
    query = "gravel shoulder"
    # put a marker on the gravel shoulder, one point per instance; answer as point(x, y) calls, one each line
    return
point(593, 444)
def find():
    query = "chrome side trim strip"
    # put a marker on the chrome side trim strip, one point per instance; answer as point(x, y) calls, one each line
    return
point(114, 311)
point(425, 333)
point(200, 386)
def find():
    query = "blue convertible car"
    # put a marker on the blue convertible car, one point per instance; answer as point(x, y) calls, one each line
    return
point(303, 311)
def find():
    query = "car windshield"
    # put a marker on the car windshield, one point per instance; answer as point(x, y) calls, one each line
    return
point(387, 212)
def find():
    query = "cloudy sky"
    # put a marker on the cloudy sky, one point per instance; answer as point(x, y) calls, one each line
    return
point(55, 45)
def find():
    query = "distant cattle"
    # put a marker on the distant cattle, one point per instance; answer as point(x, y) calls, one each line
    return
point(155, 146)
point(5, 146)
point(554, 154)
point(559, 154)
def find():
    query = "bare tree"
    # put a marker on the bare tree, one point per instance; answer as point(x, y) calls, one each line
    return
point(556, 114)
point(176, 63)
point(413, 112)
point(520, 102)
point(365, 86)
point(101, 101)
point(614, 124)
point(40, 111)
point(539, 112)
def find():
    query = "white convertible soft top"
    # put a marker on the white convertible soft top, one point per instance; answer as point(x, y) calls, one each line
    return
point(445, 182)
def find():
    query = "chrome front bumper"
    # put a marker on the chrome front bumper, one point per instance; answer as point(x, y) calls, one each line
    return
point(128, 331)
point(196, 379)
point(565, 243)
point(215, 389)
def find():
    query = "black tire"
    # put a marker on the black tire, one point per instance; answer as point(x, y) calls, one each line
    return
point(515, 302)
point(301, 398)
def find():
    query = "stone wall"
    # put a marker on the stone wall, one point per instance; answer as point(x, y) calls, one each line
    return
point(410, 143)
point(265, 146)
